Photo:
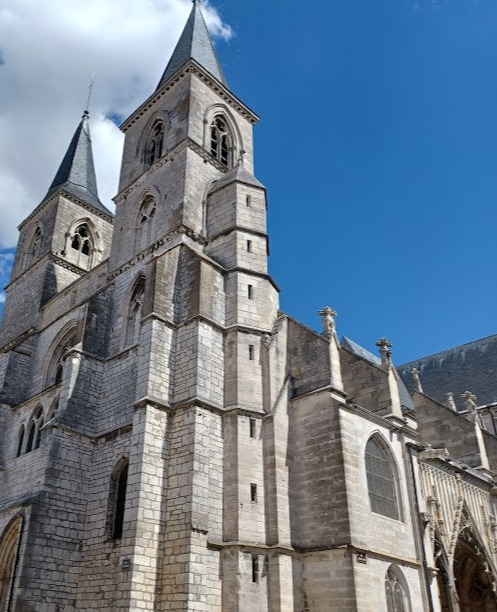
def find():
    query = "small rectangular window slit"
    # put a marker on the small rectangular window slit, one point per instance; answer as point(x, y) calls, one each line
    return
point(249, 246)
point(250, 292)
point(255, 568)
point(252, 428)
point(248, 200)
point(253, 492)
point(251, 352)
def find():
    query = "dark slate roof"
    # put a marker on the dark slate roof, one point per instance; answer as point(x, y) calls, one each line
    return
point(470, 367)
point(360, 351)
point(195, 43)
point(76, 174)
point(405, 396)
point(236, 175)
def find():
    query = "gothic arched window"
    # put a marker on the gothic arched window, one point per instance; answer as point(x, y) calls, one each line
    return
point(81, 246)
point(145, 224)
point(9, 546)
point(135, 310)
point(382, 485)
point(20, 441)
point(34, 430)
point(155, 143)
point(117, 500)
point(34, 247)
point(396, 597)
point(221, 142)
point(56, 369)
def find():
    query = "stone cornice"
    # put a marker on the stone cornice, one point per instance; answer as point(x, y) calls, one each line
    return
point(379, 420)
point(68, 196)
point(191, 67)
point(237, 228)
point(186, 143)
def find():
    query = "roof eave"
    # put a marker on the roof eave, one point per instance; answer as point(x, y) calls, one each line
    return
point(191, 67)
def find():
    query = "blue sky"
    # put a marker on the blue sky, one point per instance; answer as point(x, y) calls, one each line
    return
point(378, 148)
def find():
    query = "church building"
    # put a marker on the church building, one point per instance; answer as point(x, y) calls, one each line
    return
point(171, 441)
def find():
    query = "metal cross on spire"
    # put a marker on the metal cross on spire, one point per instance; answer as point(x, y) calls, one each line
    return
point(90, 91)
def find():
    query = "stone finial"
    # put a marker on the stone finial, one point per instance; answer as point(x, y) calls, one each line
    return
point(328, 319)
point(417, 379)
point(385, 352)
point(469, 401)
point(450, 401)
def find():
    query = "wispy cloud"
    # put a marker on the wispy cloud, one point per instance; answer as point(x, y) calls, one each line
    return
point(48, 54)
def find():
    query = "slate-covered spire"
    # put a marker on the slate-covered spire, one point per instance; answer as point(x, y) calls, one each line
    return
point(195, 43)
point(76, 174)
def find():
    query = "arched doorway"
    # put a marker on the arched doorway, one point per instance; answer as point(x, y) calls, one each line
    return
point(9, 544)
point(474, 579)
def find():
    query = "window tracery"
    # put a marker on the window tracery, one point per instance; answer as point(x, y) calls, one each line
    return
point(382, 486)
point(396, 598)
point(34, 247)
point(221, 141)
point(146, 217)
point(34, 431)
point(81, 246)
point(155, 143)
point(56, 369)
point(135, 313)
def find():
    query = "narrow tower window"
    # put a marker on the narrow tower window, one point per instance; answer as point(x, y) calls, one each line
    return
point(255, 568)
point(146, 217)
point(249, 246)
point(250, 292)
point(251, 352)
point(220, 141)
point(120, 500)
point(252, 428)
point(155, 144)
point(253, 492)
point(81, 246)
point(20, 442)
point(35, 246)
point(135, 313)
point(248, 201)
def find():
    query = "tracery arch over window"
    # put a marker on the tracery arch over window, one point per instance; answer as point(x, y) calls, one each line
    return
point(145, 225)
point(34, 430)
point(117, 500)
point(35, 246)
point(9, 544)
point(221, 141)
point(56, 368)
point(382, 483)
point(155, 143)
point(395, 594)
point(135, 312)
point(81, 246)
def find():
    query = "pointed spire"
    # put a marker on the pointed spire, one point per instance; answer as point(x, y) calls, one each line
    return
point(195, 43)
point(76, 174)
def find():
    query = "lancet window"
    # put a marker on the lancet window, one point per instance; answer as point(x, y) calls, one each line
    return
point(34, 431)
point(146, 216)
point(135, 311)
point(56, 370)
point(382, 485)
point(396, 597)
point(221, 141)
point(117, 500)
point(81, 246)
point(155, 143)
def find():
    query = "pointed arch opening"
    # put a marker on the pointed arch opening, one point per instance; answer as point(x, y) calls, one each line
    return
point(34, 249)
point(81, 244)
point(36, 422)
point(64, 343)
point(221, 141)
point(117, 499)
point(154, 147)
point(382, 479)
point(9, 546)
point(20, 441)
point(396, 591)
point(145, 222)
point(473, 574)
point(135, 313)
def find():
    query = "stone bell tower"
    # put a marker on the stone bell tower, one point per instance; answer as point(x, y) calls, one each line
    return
point(191, 223)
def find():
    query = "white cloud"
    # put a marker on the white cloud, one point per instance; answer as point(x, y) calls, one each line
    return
point(6, 260)
point(48, 51)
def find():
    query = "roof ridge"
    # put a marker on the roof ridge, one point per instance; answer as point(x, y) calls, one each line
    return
point(449, 350)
